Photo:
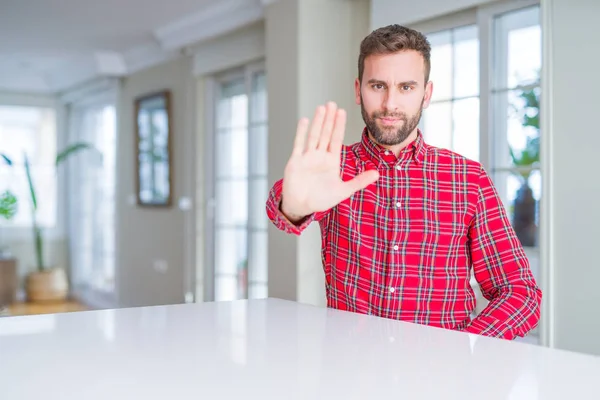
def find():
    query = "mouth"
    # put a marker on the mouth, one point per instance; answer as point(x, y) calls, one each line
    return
point(389, 121)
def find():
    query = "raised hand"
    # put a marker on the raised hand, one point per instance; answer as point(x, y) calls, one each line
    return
point(311, 180)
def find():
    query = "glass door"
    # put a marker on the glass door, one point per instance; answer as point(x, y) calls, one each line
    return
point(239, 224)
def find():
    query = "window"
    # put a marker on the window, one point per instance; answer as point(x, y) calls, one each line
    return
point(515, 118)
point(514, 129)
point(486, 67)
point(496, 81)
point(92, 199)
point(240, 186)
point(31, 131)
point(452, 119)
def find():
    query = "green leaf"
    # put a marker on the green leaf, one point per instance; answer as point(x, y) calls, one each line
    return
point(6, 159)
point(30, 181)
point(8, 205)
point(532, 104)
point(72, 149)
point(532, 121)
point(513, 156)
point(529, 114)
point(39, 246)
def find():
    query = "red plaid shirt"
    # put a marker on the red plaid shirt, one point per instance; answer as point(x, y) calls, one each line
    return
point(405, 246)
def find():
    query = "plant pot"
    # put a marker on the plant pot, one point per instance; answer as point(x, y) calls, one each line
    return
point(47, 286)
point(524, 214)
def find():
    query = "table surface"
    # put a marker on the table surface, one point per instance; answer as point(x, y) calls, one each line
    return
point(272, 349)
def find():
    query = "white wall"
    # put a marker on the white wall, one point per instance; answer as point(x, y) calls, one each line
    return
point(329, 39)
point(150, 235)
point(572, 104)
point(386, 12)
point(312, 55)
point(236, 48)
point(200, 179)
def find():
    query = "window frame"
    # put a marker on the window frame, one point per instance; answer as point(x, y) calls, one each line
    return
point(483, 18)
point(211, 97)
point(451, 23)
point(108, 95)
point(485, 21)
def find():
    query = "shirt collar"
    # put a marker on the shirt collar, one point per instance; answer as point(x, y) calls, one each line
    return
point(377, 154)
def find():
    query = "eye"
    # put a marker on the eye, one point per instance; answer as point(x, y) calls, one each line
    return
point(406, 88)
point(378, 86)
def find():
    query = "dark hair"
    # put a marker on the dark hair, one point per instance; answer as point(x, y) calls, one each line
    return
point(392, 39)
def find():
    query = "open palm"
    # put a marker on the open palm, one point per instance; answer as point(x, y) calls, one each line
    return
point(311, 180)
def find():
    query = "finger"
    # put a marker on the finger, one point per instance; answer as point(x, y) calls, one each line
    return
point(337, 137)
point(300, 137)
point(327, 130)
point(315, 129)
point(360, 182)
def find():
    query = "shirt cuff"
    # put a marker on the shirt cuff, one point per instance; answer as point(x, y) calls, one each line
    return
point(283, 223)
point(492, 328)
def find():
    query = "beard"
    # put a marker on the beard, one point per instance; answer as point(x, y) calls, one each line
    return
point(390, 135)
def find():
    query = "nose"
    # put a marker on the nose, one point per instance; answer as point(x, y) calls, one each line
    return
point(392, 100)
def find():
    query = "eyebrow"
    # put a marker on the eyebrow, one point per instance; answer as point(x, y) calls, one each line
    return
point(407, 83)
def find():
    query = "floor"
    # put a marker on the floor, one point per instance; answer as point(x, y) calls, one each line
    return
point(43, 308)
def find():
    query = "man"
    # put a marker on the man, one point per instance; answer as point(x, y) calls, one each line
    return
point(403, 223)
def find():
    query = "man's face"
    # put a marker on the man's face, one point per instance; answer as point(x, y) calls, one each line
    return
point(392, 95)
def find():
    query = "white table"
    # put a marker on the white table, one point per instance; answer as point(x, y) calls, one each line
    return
point(272, 349)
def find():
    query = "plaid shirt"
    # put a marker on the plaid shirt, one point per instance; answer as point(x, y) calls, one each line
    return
point(405, 246)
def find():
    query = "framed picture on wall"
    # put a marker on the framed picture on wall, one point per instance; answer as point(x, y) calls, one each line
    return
point(153, 149)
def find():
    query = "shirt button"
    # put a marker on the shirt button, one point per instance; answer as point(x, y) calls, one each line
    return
point(398, 205)
point(387, 152)
point(392, 290)
point(396, 247)
point(398, 167)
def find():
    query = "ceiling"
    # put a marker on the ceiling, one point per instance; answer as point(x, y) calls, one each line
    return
point(49, 46)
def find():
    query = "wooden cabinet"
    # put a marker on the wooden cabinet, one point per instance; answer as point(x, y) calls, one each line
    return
point(8, 281)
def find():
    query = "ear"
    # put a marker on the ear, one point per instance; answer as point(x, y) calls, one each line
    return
point(357, 91)
point(428, 94)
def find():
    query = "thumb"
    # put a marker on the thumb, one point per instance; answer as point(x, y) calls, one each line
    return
point(361, 181)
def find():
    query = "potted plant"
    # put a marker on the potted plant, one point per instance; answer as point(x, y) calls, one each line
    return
point(47, 283)
point(8, 208)
point(8, 265)
point(525, 205)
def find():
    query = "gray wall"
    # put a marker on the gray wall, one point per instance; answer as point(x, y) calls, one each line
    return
point(574, 194)
point(329, 35)
point(147, 236)
point(282, 62)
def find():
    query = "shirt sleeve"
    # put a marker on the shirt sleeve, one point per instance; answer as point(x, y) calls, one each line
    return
point(274, 213)
point(502, 270)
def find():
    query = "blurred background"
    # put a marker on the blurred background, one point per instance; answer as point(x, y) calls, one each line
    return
point(139, 140)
